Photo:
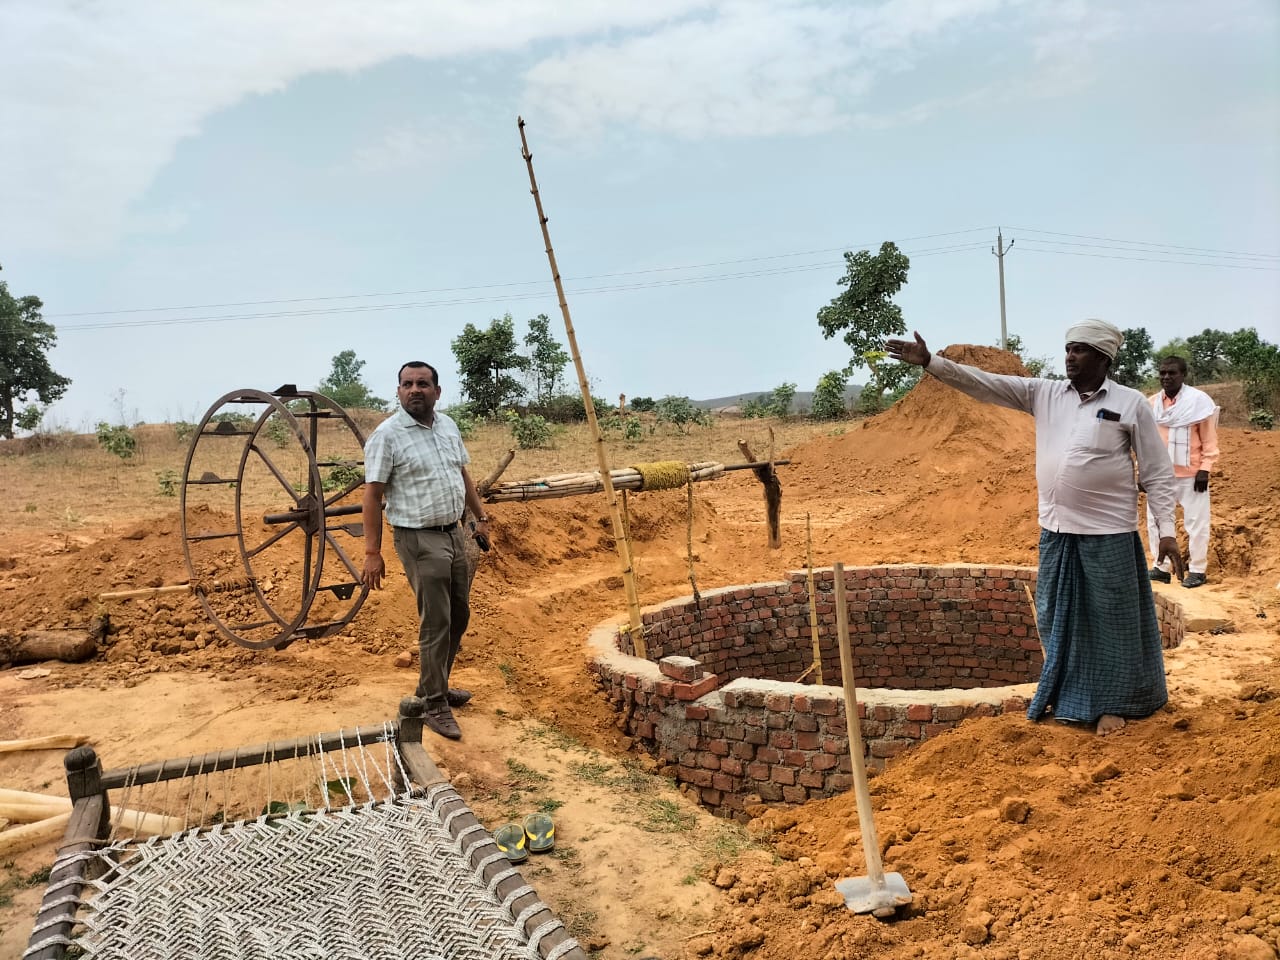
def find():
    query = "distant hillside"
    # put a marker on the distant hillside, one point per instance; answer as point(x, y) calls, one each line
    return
point(803, 399)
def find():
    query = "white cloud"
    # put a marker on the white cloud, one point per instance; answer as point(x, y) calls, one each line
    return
point(96, 96)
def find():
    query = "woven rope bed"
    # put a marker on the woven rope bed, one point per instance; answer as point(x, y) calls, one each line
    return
point(385, 862)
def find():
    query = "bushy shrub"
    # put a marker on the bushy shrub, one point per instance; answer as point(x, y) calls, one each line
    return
point(775, 403)
point(168, 481)
point(828, 396)
point(118, 440)
point(464, 417)
point(568, 408)
point(643, 404)
point(1262, 419)
point(28, 418)
point(681, 412)
point(278, 431)
point(183, 429)
point(530, 431)
point(342, 475)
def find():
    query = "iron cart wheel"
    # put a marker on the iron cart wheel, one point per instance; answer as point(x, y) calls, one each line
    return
point(267, 480)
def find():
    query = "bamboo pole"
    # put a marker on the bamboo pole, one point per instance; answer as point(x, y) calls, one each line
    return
point(813, 601)
point(56, 741)
point(20, 806)
point(17, 839)
point(622, 543)
point(483, 486)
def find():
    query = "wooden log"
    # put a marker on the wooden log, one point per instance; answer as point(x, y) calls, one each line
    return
point(772, 491)
point(40, 807)
point(146, 592)
point(36, 646)
point(483, 486)
point(57, 741)
point(17, 839)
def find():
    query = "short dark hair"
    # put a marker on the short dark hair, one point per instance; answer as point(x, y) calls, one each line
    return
point(418, 365)
point(1177, 361)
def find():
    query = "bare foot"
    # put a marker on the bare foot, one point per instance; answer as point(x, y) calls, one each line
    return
point(1109, 723)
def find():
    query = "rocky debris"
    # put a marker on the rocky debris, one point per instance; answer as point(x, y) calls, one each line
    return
point(1104, 771)
point(1015, 810)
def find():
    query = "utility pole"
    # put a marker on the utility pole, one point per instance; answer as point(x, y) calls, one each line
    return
point(999, 251)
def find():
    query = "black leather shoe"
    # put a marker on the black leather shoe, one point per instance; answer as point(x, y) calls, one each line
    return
point(1160, 576)
point(458, 698)
point(1195, 580)
point(440, 719)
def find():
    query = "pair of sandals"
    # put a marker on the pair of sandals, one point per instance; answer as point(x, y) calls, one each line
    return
point(537, 834)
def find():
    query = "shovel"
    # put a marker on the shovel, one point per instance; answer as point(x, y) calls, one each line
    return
point(878, 893)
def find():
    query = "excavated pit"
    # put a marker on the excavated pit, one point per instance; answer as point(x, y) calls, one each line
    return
point(716, 696)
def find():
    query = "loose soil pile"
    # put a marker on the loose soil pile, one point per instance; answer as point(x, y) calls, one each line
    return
point(1019, 840)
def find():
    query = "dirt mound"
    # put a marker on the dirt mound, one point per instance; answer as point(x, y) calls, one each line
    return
point(955, 476)
point(1037, 841)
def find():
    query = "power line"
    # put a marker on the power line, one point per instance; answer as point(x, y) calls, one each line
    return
point(501, 285)
point(1147, 243)
point(505, 298)
point(1104, 256)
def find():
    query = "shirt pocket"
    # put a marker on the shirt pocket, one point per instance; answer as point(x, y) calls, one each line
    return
point(1104, 436)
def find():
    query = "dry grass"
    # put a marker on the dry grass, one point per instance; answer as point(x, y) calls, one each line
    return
point(70, 482)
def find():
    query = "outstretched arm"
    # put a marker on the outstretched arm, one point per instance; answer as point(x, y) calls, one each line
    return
point(914, 352)
point(1016, 393)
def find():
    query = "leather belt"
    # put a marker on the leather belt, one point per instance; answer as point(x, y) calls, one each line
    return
point(446, 528)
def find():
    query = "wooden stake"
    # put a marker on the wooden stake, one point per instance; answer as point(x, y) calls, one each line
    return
point(766, 474)
point(619, 535)
point(813, 602)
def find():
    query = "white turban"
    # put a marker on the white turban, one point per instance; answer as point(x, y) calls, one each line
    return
point(1098, 334)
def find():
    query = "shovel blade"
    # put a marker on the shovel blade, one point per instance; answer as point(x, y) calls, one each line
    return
point(861, 895)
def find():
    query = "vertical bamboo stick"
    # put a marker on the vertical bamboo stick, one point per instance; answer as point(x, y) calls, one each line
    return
point(866, 817)
point(813, 601)
point(619, 534)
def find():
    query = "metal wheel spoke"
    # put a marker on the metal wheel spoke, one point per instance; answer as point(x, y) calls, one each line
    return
point(284, 482)
point(275, 538)
point(342, 555)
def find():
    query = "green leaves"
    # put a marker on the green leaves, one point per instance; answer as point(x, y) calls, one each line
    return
point(25, 341)
point(487, 360)
point(345, 387)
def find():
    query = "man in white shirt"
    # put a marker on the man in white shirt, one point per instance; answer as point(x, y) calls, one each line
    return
point(1188, 422)
point(416, 459)
point(1103, 656)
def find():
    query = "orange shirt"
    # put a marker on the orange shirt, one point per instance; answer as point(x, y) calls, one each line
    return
point(1204, 442)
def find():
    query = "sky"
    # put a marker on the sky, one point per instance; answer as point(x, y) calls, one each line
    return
point(209, 196)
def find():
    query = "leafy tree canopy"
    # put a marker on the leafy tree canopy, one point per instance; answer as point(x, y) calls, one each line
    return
point(828, 396)
point(488, 361)
point(1133, 363)
point(866, 314)
point(547, 358)
point(345, 387)
point(25, 341)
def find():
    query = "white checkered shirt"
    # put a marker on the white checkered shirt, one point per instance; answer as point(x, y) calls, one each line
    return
point(422, 468)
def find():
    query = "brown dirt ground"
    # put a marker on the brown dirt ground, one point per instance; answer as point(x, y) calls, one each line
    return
point(1018, 840)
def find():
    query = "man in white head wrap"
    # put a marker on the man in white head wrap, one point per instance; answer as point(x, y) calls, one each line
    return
point(1097, 618)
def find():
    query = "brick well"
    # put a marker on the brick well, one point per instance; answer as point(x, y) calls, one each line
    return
point(716, 698)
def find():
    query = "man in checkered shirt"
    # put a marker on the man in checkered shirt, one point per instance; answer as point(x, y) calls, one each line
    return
point(416, 461)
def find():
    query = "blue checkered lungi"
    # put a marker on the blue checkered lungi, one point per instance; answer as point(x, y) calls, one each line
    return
point(1102, 651)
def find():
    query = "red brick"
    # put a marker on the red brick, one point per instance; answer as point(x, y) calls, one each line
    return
point(722, 782)
point(920, 711)
point(719, 747)
point(812, 778)
point(732, 766)
point(758, 771)
point(683, 669)
point(768, 755)
point(783, 775)
point(693, 712)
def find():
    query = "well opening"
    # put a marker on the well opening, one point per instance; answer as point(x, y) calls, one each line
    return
point(717, 700)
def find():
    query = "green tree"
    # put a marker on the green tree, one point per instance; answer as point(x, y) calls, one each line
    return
point(1036, 366)
point(1206, 360)
point(547, 358)
point(1176, 347)
point(866, 313)
point(828, 396)
point(1257, 363)
point(775, 403)
point(345, 387)
point(487, 359)
point(1133, 363)
point(25, 341)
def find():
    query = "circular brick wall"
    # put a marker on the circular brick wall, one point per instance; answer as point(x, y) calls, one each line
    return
point(716, 696)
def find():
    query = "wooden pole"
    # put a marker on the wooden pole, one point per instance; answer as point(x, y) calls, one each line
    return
point(619, 535)
point(866, 818)
point(813, 602)
point(55, 741)
point(483, 486)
